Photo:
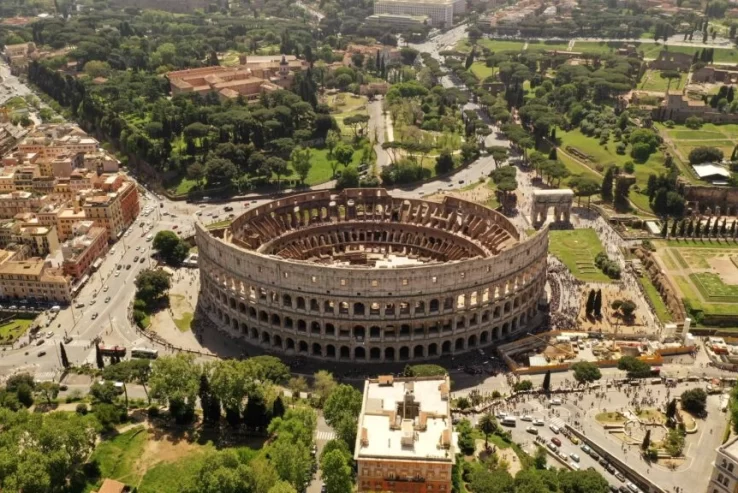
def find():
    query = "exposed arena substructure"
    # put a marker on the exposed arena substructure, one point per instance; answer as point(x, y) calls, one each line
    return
point(361, 276)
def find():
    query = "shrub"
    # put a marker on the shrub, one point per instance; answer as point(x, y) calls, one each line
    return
point(629, 167)
point(620, 148)
point(693, 122)
point(81, 408)
point(705, 154)
point(153, 412)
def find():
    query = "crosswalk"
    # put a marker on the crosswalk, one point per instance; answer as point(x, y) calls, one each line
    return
point(43, 376)
point(325, 436)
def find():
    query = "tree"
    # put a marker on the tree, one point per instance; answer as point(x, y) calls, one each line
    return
point(291, 459)
point(671, 409)
point(343, 154)
point(278, 166)
point(50, 390)
point(331, 141)
point(323, 385)
point(196, 171)
point(282, 487)
point(344, 399)
point(635, 367)
point(336, 472)
point(694, 401)
point(498, 154)
point(171, 247)
point(584, 187)
point(63, 355)
point(99, 358)
point(348, 179)
point(646, 440)
point(598, 303)
point(297, 385)
point(424, 370)
point(590, 303)
point(547, 381)
point(175, 381)
point(540, 457)
point(606, 188)
point(444, 162)
point(705, 155)
point(674, 443)
point(105, 393)
point(220, 172)
point(152, 286)
point(585, 372)
point(300, 160)
point(278, 409)
point(487, 425)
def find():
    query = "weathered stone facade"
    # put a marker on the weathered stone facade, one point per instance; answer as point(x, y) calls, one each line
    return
point(299, 275)
point(543, 200)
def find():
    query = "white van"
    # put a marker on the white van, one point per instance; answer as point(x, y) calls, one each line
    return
point(509, 421)
point(554, 428)
point(55, 309)
point(149, 237)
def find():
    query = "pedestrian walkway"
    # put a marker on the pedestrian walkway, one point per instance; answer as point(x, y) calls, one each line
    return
point(325, 436)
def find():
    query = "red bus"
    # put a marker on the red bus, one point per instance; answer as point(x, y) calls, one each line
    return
point(112, 350)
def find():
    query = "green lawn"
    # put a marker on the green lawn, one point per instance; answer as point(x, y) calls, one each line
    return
point(321, 172)
point(713, 288)
point(184, 323)
point(559, 46)
point(345, 104)
point(481, 70)
point(181, 185)
point(658, 303)
point(13, 329)
point(596, 47)
point(652, 81)
point(497, 45)
point(117, 457)
point(604, 156)
point(220, 224)
point(577, 250)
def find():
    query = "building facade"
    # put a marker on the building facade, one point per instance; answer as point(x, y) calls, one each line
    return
point(88, 244)
point(32, 279)
point(362, 276)
point(405, 441)
point(440, 12)
point(724, 478)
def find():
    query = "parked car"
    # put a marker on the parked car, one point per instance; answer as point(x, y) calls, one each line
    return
point(41, 353)
point(574, 457)
point(620, 476)
point(526, 418)
point(40, 341)
point(538, 422)
point(556, 441)
point(532, 430)
point(107, 299)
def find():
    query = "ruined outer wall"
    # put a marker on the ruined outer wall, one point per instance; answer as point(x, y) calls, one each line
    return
point(349, 313)
point(708, 196)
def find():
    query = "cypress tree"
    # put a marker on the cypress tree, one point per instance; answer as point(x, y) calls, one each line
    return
point(99, 358)
point(646, 440)
point(590, 302)
point(553, 156)
point(63, 353)
point(606, 189)
point(598, 304)
point(553, 135)
point(716, 228)
point(664, 228)
point(674, 228)
point(278, 408)
point(547, 381)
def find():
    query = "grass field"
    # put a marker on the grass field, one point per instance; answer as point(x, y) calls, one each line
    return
point(683, 140)
point(658, 303)
point(345, 104)
point(602, 156)
point(713, 288)
point(154, 462)
point(321, 171)
point(497, 45)
point(577, 250)
point(704, 272)
point(481, 70)
point(596, 47)
point(13, 329)
point(652, 81)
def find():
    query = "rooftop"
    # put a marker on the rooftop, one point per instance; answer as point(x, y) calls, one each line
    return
point(32, 267)
point(707, 170)
point(406, 418)
point(731, 449)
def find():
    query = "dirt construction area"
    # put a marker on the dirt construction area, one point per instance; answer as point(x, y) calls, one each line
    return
point(705, 272)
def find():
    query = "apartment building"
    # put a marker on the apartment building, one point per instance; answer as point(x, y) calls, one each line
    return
point(724, 478)
point(89, 243)
point(33, 279)
point(440, 12)
point(114, 205)
point(405, 441)
point(19, 201)
point(67, 219)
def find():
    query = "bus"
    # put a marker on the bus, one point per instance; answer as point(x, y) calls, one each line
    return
point(509, 421)
point(142, 352)
point(112, 350)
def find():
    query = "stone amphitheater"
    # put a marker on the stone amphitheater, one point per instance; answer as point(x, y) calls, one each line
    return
point(362, 276)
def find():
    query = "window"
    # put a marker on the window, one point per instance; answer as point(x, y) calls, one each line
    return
point(343, 282)
point(463, 275)
point(434, 279)
point(404, 282)
point(720, 478)
point(730, 467)
point(375, 283)
point(314, 279)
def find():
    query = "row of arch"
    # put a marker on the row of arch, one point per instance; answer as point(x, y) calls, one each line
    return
point(370, 309)
point(363, 352)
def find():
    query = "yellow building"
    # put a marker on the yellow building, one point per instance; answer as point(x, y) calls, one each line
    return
point(405, 441)
point(66, 220)
point(33, 279)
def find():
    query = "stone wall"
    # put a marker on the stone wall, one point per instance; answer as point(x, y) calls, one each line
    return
point(710, 196)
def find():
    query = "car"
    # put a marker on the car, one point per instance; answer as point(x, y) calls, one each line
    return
point(620, 476)
point(175, 227)
point(553, 447)
point(555, 429)
point(586, 449)
point(13, 307)
point(128, 267)
point(526, 418)
point(41, 353)
point(556, 402)
point(138, 248)
point(198, 213)
point(501, 415)
point(40, 341)
point(603, 462)
point(135, 259)
point(107, 300)
point(67, 339)
point(563, 456)
point(143, 259)
point(117, 273)
point(624, 489)
point(323, 488)
point(538, 422)
point(574, 466)
point(614, 489)
point(119, 266)
point(532, 430)
point(94, 316)
point(632, 487)
point(574, 440)
point(574, 457)
point(594, 455)
point(556, 441)
point(49, 335)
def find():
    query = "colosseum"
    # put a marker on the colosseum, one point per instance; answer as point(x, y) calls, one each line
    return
point(362, 276)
